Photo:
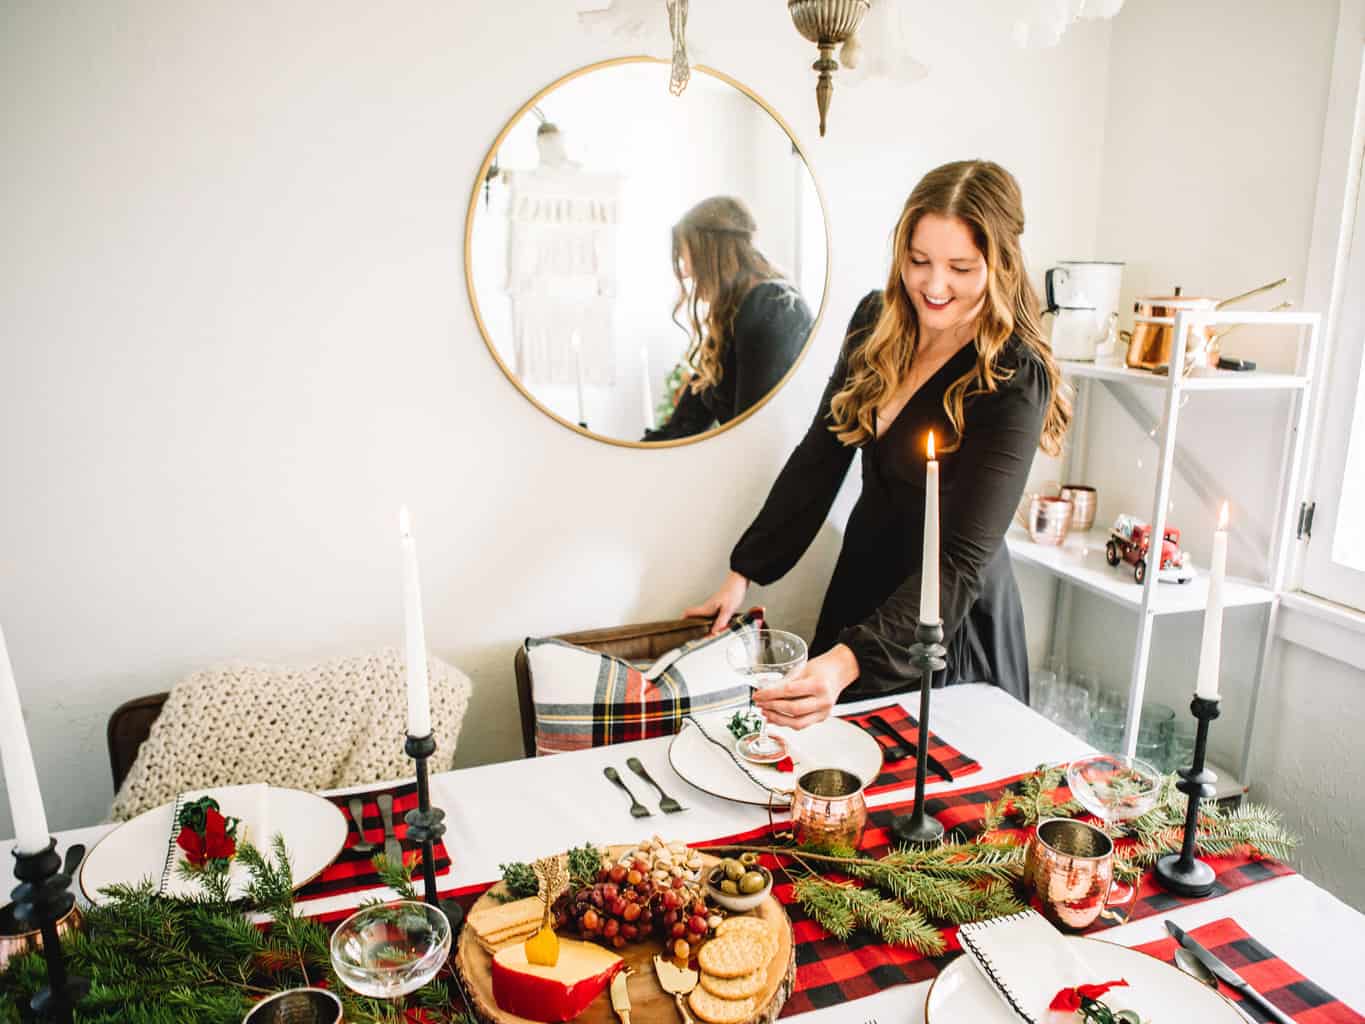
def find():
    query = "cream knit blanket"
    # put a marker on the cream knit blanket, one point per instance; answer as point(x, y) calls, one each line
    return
point(340, 723)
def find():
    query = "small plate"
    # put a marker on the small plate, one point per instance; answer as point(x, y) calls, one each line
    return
point(1160, 991)
point(712, 768)
point(314, 831)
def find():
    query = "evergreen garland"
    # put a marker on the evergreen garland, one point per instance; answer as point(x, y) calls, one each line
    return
point(154, 960)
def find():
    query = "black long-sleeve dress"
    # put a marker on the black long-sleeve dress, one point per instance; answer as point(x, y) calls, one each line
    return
point(770, 329)
point(872, 603)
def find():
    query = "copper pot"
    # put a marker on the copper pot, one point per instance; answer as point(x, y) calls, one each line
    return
point(1154, 329)
point(16, 942)
point(297, 1006)
point(1070, 866)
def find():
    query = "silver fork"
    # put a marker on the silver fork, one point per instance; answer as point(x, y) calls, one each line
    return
point(666, 803)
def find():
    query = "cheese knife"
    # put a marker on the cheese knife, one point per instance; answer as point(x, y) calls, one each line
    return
point(1225, 974)
point(620, 996)
point(889, 731)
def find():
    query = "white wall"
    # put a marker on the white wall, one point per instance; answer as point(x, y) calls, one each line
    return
point(236, 338)
point(1213, 138)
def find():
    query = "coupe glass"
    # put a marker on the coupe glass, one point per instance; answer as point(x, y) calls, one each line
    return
point(1114, 789)
point(389, 950)
point(764, 657)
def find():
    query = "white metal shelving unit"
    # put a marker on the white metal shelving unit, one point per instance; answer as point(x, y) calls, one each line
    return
point(1080, 562)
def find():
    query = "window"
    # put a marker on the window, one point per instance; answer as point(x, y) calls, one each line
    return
point(1334, 558)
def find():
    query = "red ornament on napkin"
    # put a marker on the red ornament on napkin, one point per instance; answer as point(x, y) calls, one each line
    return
point(214, 842)
point(786, 765)
point(1068, 1000)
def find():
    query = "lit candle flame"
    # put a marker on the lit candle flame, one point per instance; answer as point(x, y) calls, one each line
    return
point(931, 446)
point(1223, 517)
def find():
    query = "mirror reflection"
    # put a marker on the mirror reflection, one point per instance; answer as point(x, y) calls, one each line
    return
point(647, 267)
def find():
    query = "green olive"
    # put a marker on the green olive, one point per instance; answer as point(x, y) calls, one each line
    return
point(729, 887)
point(752, 882)
point(734, 870)
point(748, 858)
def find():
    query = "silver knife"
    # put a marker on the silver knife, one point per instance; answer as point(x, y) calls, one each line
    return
point(393, 849)
point(1226, 974)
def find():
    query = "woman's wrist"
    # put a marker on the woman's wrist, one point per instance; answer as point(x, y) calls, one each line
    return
point(847, 664)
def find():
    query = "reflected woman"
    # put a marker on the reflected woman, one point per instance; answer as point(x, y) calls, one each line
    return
point(953, 345)
point(746, 324)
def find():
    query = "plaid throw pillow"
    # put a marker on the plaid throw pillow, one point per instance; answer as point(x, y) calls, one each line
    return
point(586, 699)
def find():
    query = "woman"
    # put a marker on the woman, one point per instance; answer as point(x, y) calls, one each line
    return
point(953, 345)
point(752, 329)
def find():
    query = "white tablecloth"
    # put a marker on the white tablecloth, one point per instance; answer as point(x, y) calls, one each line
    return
point(518, 810)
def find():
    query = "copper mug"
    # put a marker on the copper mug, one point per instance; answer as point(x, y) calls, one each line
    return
point(1070, 867)
point(17, 940)
point(828, 808)
point(297, 1006)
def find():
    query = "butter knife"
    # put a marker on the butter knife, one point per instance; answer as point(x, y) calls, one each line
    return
point(912, 750)
point(393, 849)
point(1226, 974)
point(620, 996)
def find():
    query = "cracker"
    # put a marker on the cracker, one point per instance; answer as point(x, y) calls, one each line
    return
point(755, 929)
point(714, 1010)
point(743, 987)
point(732, 956)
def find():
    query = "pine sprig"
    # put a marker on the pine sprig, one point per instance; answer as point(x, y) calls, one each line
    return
point(154, 960)
point(841, 908)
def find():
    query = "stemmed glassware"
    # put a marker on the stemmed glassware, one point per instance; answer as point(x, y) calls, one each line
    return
point(1115, 789)
point(764, 657)
point(387, 950)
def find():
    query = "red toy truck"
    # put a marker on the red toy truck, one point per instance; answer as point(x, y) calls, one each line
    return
point(1129, 541)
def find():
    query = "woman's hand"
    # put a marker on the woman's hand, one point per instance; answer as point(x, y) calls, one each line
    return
point(723, 603)
point(807, 696)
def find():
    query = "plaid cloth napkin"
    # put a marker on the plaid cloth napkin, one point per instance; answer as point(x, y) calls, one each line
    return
point(830, 971)
point(897, 774)
point(1265, 972)
point(353, 872)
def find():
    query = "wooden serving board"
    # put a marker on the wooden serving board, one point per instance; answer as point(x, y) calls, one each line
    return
point(649, 1003)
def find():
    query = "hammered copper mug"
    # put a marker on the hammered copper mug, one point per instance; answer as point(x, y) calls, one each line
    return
point(1070, 866)
point(828, 809)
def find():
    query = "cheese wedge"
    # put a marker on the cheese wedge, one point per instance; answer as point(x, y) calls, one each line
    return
point(557, 993)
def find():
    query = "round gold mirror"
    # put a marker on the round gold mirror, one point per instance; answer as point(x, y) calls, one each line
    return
point(647, 269)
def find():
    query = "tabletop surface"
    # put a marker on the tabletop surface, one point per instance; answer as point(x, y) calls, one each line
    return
point(519, 810)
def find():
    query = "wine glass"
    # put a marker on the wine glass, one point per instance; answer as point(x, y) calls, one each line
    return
point(1114, 789)
point(764, 657)
point(388, 950)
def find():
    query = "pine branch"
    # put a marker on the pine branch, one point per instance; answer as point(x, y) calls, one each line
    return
point(840, 908)
point(397, 877)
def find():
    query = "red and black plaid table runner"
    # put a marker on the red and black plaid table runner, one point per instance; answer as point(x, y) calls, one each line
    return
point(830, 971)
point(353, 872)
point(898, 774)
point(1279, 982)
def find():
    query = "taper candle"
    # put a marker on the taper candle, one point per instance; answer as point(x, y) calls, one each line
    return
point(21, 777)
point(648, 407)
point(577, 343)
point(414, 634)
point(928, 591)
point(1211, 648)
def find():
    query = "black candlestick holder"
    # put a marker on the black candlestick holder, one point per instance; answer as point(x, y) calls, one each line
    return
point(426, 825)
point(41, 900)
point(1183, 873)
point(921, 829)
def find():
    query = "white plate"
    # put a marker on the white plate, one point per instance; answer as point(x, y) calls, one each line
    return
point(833, 743)
point(314, 832)
point(1160, 991)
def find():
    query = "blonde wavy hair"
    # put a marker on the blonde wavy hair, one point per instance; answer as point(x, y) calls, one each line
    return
point(985, 197)
point(718, 233)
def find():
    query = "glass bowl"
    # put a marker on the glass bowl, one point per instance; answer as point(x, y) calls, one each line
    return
point(1112, 787)
point(389, 950)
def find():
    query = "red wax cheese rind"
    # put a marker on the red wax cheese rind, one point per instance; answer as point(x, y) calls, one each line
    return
point(557, 993)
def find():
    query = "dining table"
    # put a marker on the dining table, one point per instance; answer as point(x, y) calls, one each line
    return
point(523, 809)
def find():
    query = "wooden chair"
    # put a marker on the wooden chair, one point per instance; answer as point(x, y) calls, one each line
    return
point(643, 641)
point(129, 727)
